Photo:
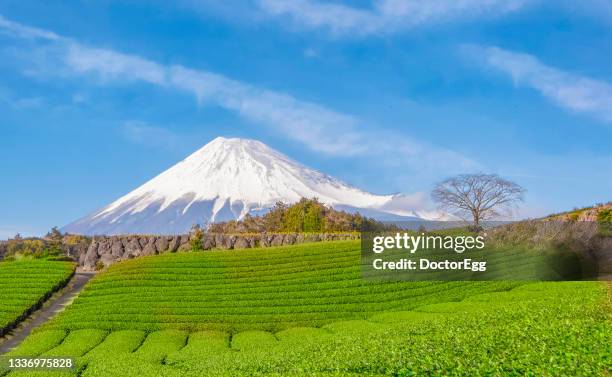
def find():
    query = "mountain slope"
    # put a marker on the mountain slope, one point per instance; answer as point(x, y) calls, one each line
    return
point(226, 179)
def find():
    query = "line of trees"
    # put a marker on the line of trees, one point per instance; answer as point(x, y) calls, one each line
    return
point(307, 215)
point(54, 243)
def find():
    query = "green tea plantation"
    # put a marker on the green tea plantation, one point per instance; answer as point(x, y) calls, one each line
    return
point(25, 284)
point(305, 311)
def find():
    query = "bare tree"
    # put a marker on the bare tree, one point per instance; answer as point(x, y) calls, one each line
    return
point(480, 196)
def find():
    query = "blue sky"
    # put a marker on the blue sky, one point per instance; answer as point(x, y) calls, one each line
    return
point(390, 96)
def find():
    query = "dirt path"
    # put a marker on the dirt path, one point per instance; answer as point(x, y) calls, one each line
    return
point(54, 305)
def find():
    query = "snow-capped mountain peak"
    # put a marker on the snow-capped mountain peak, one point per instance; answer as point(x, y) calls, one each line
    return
point(225, 179)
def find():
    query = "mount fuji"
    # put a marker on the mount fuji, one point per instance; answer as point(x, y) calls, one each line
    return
point(228, 179)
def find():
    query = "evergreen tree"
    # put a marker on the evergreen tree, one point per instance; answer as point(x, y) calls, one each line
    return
point(313, 216)
point(54, 234)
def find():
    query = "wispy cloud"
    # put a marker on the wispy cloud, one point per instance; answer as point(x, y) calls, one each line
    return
point(21, 103)
point(384, 16)
point(111, 65)
point(315, 126)
point(568, 90)
point(23, 31)
point(319, 128)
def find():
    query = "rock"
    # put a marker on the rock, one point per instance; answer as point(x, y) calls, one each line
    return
point(151, 241)
point(266, 240)
point(117, 248)
point(241, 243)
point(173, 244)
point(107, 260)
point(277, 240)
point(142, 241)
point(227, 242)
point(219, 240)
point(253, 241)
point(133, 248)
point(184, 244)
point(149, 249)
point(208, 242)
point(92, 255)
point(104, 247)
point(82, 259)
point(289, 239)
point(261, 240)
point(161, 245)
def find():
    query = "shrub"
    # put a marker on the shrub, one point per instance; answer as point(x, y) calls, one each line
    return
point(195, 238)
point(605, 216)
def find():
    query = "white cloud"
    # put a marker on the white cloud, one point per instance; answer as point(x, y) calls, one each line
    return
point(384, 16)
point(27, 32)
point(317, 127)
point(311, 124)
point(111, 65)
point(571, 91)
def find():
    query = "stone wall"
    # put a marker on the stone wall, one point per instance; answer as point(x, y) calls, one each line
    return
point(106, 250)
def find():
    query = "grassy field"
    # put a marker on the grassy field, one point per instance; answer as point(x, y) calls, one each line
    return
point(304, 310)
point(26, 284)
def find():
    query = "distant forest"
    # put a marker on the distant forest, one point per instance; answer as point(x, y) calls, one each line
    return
point(307, 215)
